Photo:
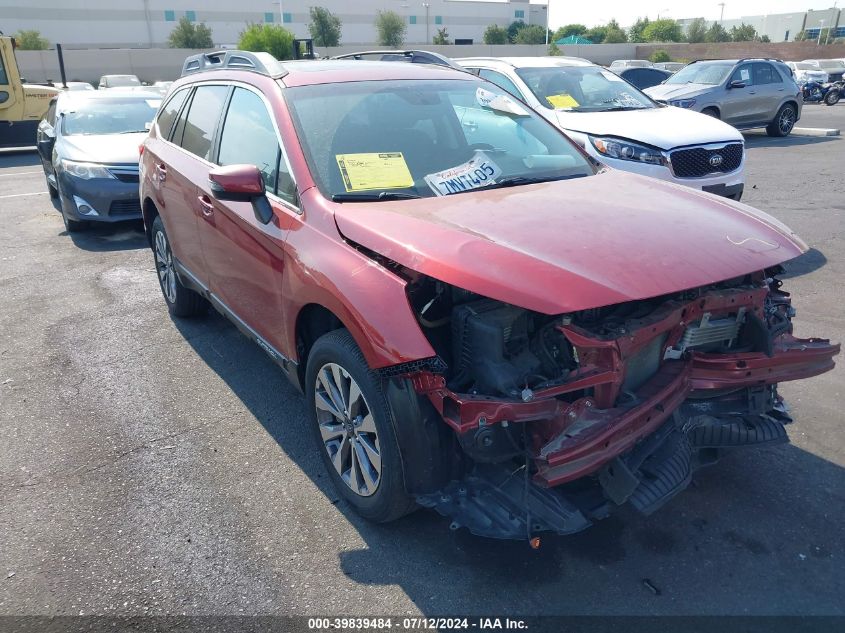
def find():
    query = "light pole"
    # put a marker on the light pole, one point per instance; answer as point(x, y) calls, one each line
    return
point(427, 6)
point(821, 28)
point(546, 9)
point(721, 13)
point(281, 14)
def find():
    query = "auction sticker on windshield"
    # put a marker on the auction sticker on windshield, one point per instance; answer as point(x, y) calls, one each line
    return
point(477, 172)
point(562, 101)
point(365, 172)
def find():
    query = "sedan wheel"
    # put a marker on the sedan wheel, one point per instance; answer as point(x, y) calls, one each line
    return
point(164, 267)
point(348, 430)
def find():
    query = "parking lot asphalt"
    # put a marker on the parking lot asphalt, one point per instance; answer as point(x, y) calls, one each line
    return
point(153, 466)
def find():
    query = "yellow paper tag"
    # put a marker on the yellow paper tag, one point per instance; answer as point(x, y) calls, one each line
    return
point(562, 101)
point(363, 172)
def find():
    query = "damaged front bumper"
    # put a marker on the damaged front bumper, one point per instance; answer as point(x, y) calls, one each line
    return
point(599, 437)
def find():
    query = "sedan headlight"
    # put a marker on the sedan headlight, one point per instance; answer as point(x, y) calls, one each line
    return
point(626, 150)
point(86, 171)
point(682, 103)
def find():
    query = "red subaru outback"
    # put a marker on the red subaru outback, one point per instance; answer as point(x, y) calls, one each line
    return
point(483, 320)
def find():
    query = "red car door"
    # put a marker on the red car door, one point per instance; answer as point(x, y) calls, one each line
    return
point(245, 257)
point(178, 169)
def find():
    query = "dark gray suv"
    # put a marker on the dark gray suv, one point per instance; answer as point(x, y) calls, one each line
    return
point(747, 93)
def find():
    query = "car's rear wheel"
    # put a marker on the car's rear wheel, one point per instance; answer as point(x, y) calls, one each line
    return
point(783, 122)
point(832, 97)
point(353, 427)
point(711, 112)
point(181, 301)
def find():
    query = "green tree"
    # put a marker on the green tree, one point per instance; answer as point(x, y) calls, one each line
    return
point(30, 40)
point(569, 29)
point(717, 33)
point(696, 31)
point(635, 32)
point(495, 34)
point(743, 33)
point(800, 36)
point(441, 37)
point(663, 31)
point(531, 34)
point(190, 35)
point(596, 34)
point(324, 27)
point(391, 29)
point(660, 55)
point(554, 50)
point(614, 34)
point(515, 27)
point(765, 39)
point(270, 38)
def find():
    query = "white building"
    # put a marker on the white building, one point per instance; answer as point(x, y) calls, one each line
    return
point(148, 23)
point(783, 27)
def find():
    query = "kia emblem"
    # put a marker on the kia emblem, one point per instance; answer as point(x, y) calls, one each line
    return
point(716, 160)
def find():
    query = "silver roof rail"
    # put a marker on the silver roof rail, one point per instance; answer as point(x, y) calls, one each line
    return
point(261, 63)
point(412, 56)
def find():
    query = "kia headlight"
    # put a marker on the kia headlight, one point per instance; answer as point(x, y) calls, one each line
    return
point(86, 171)
point(626, 150)
point(682, 103)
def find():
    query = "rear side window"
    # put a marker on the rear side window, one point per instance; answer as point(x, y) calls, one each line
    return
point(249, 138)
point(765, 74)
point(170, 111)
point(203, 115)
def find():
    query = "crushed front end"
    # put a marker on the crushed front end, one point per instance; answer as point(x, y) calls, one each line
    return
point(560, 418)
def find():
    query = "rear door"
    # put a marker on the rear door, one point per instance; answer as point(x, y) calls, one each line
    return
point(771, 89)
point(185, 162)
point(245, 258)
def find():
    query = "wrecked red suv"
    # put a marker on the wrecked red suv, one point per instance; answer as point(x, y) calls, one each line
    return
point(483, 320)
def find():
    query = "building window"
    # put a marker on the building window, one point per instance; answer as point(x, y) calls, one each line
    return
point(438, 19)
point(170, 16)
point(287, 18)
point(519, 13)
point(191, 15)
point(412, 19)
point(268, 18)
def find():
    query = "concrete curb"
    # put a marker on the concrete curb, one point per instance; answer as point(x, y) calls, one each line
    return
point(815, 131)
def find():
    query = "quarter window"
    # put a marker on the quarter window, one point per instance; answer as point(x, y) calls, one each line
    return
point(249, 138)
point(203, 115)
point(500, 80)
point(169, 113)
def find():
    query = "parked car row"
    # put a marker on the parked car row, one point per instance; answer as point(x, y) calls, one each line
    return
point(562, 337)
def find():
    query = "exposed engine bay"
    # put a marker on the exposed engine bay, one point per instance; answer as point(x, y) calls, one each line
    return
point(602, 406)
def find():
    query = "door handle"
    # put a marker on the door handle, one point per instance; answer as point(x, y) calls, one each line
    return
point(206, 205)
point(161, 170)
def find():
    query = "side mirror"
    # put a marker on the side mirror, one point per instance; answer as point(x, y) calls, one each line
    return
point(241, 183)
point(736, 83)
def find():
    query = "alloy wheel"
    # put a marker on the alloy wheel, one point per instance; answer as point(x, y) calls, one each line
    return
point(164, 267)
point(348, 429)
point(786, 120)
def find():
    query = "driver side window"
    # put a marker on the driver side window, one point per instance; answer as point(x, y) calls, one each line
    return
point(743, 74)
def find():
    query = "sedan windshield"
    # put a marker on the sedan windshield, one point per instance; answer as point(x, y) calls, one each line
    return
point(583, 89)
point(710, 74)
point(378, 140)
point(109, 116)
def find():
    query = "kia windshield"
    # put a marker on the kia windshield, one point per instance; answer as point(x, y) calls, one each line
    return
point(583, 89)
point(708, 74)
point(378, 140)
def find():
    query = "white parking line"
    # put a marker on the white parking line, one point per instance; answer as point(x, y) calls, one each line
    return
point(19, 173)
point(18, 195)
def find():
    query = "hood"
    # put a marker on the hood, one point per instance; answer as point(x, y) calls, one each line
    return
point(665, 128)
point(570, 245)
point(664, 92)
point(103, 148)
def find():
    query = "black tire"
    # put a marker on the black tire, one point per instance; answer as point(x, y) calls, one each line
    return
point(181, 301)
point(832, 97)
point(390, 500)
point(71, 225)
point(783, 122)
point(711, 112)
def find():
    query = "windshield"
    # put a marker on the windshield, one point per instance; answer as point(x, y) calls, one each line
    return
point(109, 116)
point(583, 89)
point(710, 74)
point(381, 140)
point(830, 63)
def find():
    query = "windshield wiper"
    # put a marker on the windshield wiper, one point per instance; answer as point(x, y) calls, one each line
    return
point(516, 181)
point(621, 108)
point(133, 131)
point(373, 197)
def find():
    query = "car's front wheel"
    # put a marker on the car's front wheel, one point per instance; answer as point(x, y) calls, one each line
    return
point(783, 122)
point(711, 112)
point(181, 301)
point(353, 427)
